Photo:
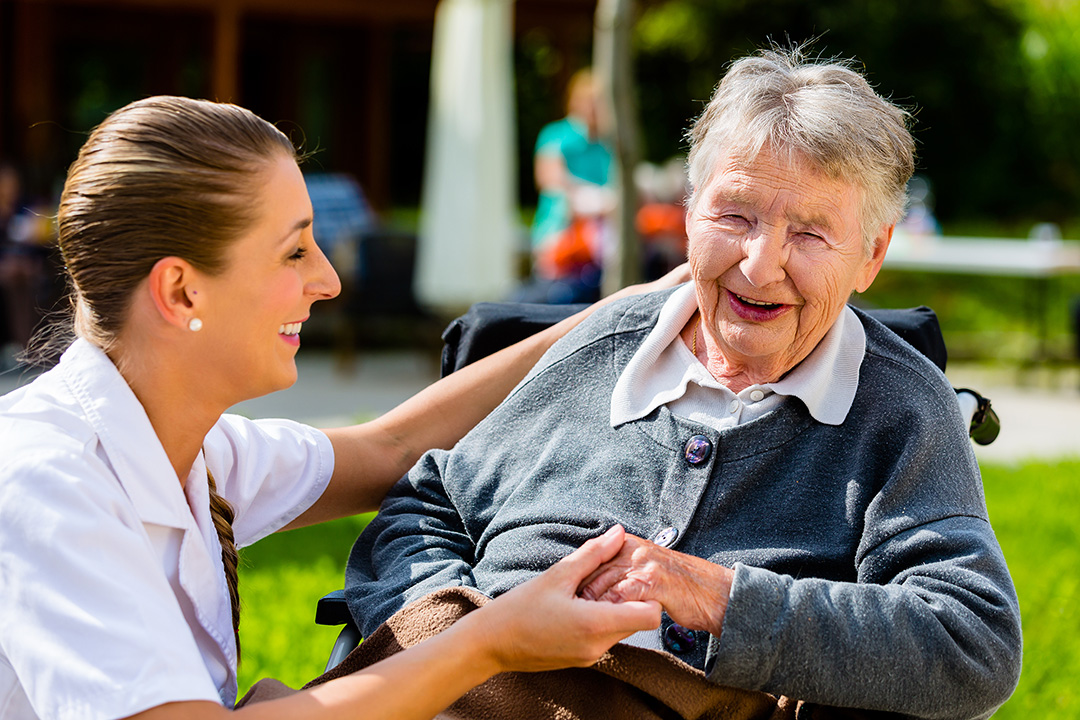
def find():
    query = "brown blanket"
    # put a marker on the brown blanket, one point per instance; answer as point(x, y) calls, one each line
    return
point(628, 682)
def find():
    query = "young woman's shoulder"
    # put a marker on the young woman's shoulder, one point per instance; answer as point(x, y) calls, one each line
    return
point(40, 421)
point(270, 471)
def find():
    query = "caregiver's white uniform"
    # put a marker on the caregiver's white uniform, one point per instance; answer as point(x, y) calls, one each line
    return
point(113, 597)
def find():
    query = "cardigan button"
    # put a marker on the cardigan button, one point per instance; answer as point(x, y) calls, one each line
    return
point(678, 639)
point(697, 450)
point(666, 537)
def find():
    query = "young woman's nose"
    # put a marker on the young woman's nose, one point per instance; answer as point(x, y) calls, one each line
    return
point(324, 281)
point(764, 255)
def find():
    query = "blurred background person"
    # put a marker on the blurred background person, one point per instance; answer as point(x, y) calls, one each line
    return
point(661, 215)
point(25, 236)
point(573, 170)
point(920, 219)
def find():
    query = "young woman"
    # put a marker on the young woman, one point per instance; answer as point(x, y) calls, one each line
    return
point(124, 491)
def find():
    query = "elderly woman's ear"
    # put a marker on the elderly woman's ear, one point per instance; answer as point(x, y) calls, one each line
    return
point(874, 261)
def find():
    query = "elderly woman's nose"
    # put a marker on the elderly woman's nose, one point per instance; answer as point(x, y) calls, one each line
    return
point(763, 260)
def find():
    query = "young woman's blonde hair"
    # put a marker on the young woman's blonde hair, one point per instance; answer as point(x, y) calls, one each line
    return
point(165, 176)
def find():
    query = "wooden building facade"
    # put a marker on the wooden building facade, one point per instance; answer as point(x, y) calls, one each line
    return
point(349, 78)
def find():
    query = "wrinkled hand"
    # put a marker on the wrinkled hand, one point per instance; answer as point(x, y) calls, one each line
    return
point(694, 592)
point(544, 625)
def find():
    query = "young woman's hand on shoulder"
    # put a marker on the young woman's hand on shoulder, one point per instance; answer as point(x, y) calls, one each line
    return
point(370, 458)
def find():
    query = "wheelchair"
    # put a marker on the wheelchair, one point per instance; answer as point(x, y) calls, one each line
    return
point(489, 327)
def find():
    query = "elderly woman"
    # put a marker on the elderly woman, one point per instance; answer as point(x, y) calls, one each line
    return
point(815, 514)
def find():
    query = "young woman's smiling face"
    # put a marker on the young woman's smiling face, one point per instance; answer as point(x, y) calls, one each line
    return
point(775, 251)
point(274, 273)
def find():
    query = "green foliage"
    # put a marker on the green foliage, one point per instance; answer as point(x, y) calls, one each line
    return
point(1050, 53)
point(994, 85)
point(1031, 506)
point(987, 318)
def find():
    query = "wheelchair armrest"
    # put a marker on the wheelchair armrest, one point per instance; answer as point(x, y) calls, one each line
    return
point(332, 610)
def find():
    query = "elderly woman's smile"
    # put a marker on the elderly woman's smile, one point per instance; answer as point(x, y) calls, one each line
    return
point(776, 249)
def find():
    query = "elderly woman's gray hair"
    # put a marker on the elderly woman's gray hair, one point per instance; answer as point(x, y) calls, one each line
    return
point(821, 112)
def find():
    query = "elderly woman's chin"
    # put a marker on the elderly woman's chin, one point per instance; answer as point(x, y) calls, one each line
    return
point(767, 348)
point(764, 348)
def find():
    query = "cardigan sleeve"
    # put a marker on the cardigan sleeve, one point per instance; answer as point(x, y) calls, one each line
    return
point(931, 624)
point(947, 618)
point(415, 545)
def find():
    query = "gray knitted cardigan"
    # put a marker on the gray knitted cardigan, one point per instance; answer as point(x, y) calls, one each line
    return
point(866, 571)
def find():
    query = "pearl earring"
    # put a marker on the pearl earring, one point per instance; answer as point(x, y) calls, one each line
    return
point(194, 325)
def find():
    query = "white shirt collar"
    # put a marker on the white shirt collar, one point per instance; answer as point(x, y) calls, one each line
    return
point(125, 433)
point(147, 476)
point(826, 381)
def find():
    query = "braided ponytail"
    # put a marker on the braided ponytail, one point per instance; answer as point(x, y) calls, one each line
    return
point(222, 513)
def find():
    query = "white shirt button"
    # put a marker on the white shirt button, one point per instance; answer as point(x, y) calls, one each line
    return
point(757, 395)
point(734, 406)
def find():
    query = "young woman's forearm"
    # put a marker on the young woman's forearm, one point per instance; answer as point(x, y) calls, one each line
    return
point(413, 685)
point(540, 625)
point(369, 458)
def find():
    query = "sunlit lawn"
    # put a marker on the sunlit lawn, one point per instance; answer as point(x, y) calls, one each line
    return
point(1033, 508)
point(281, 580)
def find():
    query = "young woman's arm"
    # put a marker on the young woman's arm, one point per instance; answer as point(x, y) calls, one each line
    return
point(540, 625)
point(369, 458)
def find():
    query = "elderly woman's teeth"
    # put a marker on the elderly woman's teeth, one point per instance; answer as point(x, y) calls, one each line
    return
point(290, 329)
point(758, 303)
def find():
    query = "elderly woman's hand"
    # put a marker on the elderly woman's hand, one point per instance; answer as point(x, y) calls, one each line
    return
point(544, 624)
point(694, 592)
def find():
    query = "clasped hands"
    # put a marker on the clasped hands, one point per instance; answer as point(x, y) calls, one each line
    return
point(694, 592)
point(609, 588)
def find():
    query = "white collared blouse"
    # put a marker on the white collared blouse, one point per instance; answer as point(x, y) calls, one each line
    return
point(113, 597)
point(664, 371)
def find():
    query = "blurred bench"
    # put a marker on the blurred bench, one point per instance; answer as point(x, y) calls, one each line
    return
point(375, 263)
point(1037, 259)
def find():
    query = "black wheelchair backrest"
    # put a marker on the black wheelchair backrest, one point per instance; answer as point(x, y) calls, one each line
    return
point(489, 327)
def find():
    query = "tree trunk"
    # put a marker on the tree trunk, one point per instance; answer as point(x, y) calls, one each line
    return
point(613, 67)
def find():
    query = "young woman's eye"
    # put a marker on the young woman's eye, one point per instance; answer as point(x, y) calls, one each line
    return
point(298, 254)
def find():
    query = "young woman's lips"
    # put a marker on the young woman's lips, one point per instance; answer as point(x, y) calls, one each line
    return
point(753, 310)
point(290, 332)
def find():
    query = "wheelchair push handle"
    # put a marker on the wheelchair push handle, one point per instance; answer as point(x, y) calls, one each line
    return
point(983, 422)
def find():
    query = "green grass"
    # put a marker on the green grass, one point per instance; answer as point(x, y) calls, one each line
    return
point(1032, 507)
point(281, 579)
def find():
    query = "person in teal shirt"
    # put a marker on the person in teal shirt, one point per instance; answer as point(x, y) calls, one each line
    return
point(573, 173)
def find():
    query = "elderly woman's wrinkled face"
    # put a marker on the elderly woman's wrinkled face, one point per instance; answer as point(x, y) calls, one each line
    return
point(775, 251)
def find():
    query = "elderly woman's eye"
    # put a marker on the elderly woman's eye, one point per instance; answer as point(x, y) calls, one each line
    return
point(735, 219)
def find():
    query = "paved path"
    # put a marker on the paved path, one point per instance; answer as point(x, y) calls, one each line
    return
point(1039, 411)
